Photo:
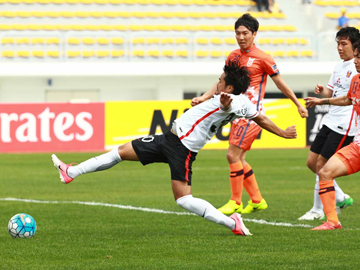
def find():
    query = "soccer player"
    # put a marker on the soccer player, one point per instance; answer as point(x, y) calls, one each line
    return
point(346, 161)
point(179, 147)
point(244, 131)
point(338, 130)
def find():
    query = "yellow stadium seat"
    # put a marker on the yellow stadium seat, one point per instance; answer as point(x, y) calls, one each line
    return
point(216, 54)
point(202, 41)
point(39, 14)
point(277, 41)
point(289, 28)
point(200, 2)
point(47, 27)
point(182, 40)
point(120, 27)
point(163, 27)
point(39, 54)
point(102, 54)
point(23, 54)
point(37, 40)
point(291, 41)
point(332, 15)
point(73, 41)
point(223, 15)
point(206, 28)
point(279, 54)
point(52, 14)
point(153, 41)
point(269, 52)
point(216, 41)
point(29, 1)
point(73, 54)
point(166, 14)
point(182, 53)
point(8, 54)
point(304, 41)
point(178, 27)
point(292, 54)
point(54, 54)
point(110, 14)
point(186, 2)
point(230, 41)
point(138, 14)
point(153, 53)
point(9, 14)
point(88, 41)
point(171, 2)
point(7, 40)
point(19, 27)
point(106, 27)
point(227, 53)
point(181, 15)
point(117, 53)
point(101, 2)
point(167, 53)
point(210, 15)
point(5, 27)
point(202, 54)
point(96, 14)
point(138, 41)
point(117, 41)
point(263, 41)
point(167, 41)
point(52, 40)
point(124, 14)
point(102, 41)
point(87, 54)
point(195, 15)
point(139, 53)
point(149, 27)
point(92, 27)
point(135, 27)
point(152, 14)
point(76, 27)
point(307, 53)
point(81, 14)
point(57, 2)
point(23, 14)
point(22, 40)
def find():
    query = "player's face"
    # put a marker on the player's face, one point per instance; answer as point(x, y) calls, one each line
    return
point(221, 86)
point(345, 50)
point(357, 60)
point(244, 37)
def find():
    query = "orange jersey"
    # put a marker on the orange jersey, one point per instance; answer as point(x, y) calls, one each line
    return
point(259, 65)
point(354, 95)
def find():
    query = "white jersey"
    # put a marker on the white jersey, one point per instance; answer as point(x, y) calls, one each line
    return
point(338, 118)
point(200, 123)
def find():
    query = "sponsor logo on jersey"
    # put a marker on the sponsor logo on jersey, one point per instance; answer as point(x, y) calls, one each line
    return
point(274, 67)
point(250, 61)
point(348, 74)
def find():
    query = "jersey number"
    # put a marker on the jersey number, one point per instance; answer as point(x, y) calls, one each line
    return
point(223, 122)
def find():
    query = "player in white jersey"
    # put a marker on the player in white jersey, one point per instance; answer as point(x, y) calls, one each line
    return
point(179, 146)
point(338, 129)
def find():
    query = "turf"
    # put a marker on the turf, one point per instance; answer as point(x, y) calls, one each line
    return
point(73, 236)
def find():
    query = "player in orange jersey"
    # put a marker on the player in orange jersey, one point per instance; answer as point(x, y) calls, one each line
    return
point(347, 160)
point(244, 132)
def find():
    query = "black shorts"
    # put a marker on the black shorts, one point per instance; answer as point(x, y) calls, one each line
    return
point(327, 141)
point(166, 148)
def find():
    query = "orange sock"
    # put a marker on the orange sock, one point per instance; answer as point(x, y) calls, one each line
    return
point(327, 196)
point(251, 185)
point(236, 181)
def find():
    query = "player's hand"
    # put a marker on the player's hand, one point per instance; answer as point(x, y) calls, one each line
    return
point(225, 100)
point(290, 132)
point(196, 101)
point(312, 101)
point(318, 89)
point(303, 112)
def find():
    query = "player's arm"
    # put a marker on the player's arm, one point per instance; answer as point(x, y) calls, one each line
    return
point(225, 101)
point(323, 91)
point(264, 122)
point(283, 87)
point(338, 101)
point(197, 100)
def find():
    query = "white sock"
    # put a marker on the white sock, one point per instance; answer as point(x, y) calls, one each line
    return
point(317, 207)
point(339, 194)
point(95, 164)
point(206, 210)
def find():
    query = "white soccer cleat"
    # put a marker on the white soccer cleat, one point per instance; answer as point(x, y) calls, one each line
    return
point(62, 169)
point(311, 215)
point(240, 227)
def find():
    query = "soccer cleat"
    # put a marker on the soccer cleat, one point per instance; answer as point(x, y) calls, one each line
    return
point(62, 169)
point(240, 227)
point(311, 215)
point(253, 207)
point(231, 207)
point(348, 201)
point(327, 226)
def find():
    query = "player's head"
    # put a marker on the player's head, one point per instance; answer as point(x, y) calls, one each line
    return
point(234, 80)
point(246, 28)
point(356, 48)
point(345, 38)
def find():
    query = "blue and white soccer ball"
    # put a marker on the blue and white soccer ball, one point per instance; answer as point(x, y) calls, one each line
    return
point(22, 226)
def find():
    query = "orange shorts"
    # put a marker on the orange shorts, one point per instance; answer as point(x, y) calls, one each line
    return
point(243, 133)
point(350, 156)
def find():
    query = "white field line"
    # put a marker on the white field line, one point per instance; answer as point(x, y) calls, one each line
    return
point(153, 210)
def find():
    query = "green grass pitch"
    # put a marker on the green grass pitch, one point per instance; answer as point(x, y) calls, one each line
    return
point(75, 236)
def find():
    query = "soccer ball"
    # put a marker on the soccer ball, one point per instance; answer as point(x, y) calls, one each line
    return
point(22, 226)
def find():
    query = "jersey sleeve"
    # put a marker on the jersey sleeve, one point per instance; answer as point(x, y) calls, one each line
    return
point(349, 94)
point(244, 108)
point(270, 66)
point(331, 83)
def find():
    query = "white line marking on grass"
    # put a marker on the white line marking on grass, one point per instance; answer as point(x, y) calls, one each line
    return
point(153, 210)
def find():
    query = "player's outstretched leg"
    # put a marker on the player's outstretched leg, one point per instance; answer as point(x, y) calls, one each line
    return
point(240, 227)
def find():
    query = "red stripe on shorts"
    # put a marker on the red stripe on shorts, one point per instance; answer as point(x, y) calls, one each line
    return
point(197, 122)
point(347, 132)
point(187, 166)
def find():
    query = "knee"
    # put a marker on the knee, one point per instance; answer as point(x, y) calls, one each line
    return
point(324, 174)
point(310, 164)
point(184, 201)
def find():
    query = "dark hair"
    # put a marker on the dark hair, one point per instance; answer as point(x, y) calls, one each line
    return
point(356, 46)
point(350, 33)
point(248, 21)
point(237, 77)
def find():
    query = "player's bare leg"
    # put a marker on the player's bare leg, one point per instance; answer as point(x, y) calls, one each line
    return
point(183, 197)
point(332, 169)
